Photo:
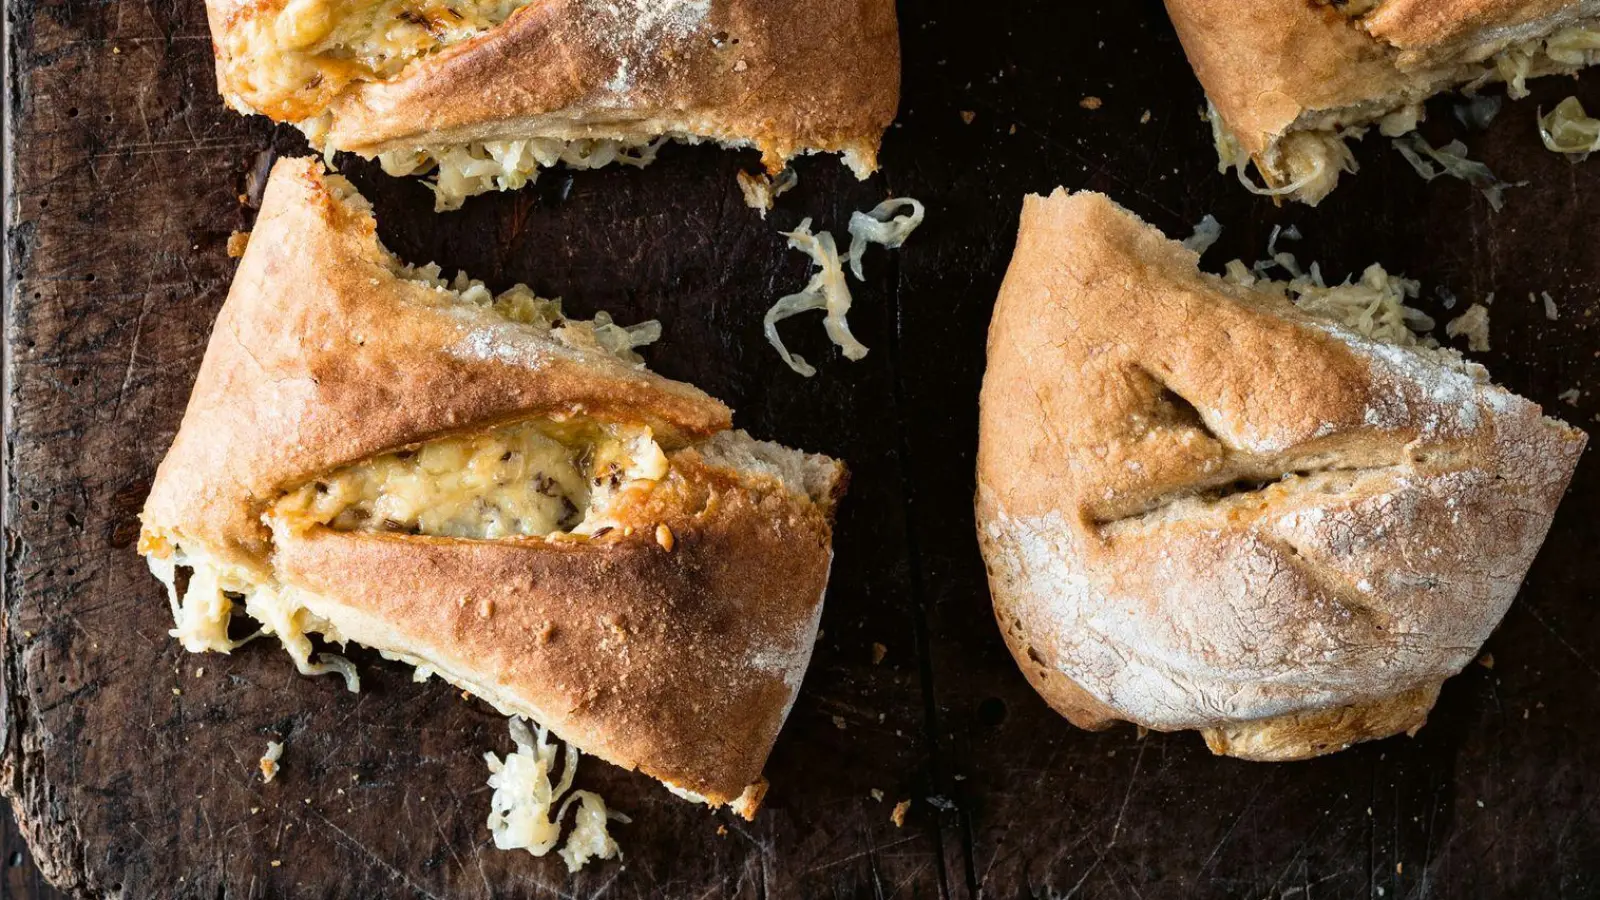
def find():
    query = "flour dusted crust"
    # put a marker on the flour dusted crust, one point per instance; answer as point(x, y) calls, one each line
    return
point(673, 642)
point(784, 76)
point(1201, 508)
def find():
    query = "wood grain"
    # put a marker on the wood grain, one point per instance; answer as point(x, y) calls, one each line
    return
point(133, 771)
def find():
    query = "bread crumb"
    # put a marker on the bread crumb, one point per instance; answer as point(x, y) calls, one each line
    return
point(762, 191)
point(276, 863)
point(1486, 660)
point(237, 242)
point(176, 692)
point(1091, 102)
point(1570, 397)
point(876, 794)
point(200, 671)
point(269, 761)
point(898, 817)
point(1550, 311)
point(879, 651)
point(1013, 130)
point(1144, 118)
point(968, 116)
point(1473, 325)
point(664, 537)
point(722, 831)
point(838, 722)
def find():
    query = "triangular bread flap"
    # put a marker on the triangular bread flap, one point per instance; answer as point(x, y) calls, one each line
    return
point(784, 76)
point(1203, 508)
point(665, 625)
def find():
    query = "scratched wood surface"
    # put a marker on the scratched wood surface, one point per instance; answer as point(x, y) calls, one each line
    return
point(132, 770)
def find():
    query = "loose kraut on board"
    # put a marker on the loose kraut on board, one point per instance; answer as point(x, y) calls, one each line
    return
point(527, 807)
point(828, 290)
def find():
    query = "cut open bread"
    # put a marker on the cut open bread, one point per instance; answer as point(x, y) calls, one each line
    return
point(488, 91)
point(500, 496)
point(1290, 80)
point(1203, 507)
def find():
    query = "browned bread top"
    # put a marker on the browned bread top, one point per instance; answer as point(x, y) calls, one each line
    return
point(327, 351)
point(1201, 507)
point(671, 636)
point(785, 76)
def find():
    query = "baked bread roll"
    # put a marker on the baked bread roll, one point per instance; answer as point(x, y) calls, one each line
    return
point(502, 497)
point(1290, 80)
point(490, 90)
point(1204, 508)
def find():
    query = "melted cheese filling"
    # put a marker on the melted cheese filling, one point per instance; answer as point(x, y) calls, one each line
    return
point(521, 480)
point(289, 59)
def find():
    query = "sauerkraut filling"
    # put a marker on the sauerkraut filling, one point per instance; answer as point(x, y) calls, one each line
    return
point(467, 170)
point(289, 58)
point(1305, 164)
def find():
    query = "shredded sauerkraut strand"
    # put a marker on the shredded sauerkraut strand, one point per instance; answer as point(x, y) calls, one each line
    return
point(524, 812)
point(1569, 129)
point(1206, 233)
point(882, 226)
point(1451, 159)
point(1282, 190)
point(827, 291)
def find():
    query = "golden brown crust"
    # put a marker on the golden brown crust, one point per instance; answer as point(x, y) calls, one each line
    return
point(679, 663)
point(785, 76)
point(1200, 507)
point(1427, 27)
point(323, 354)
point(1265, 63)
point(1272, 66)
point(679, 657)
point(1324, 731)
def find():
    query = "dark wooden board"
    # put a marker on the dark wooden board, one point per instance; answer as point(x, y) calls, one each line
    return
point(134, 776)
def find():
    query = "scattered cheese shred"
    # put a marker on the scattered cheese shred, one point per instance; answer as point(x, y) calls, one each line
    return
point(524, 798)
point(882, 226)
